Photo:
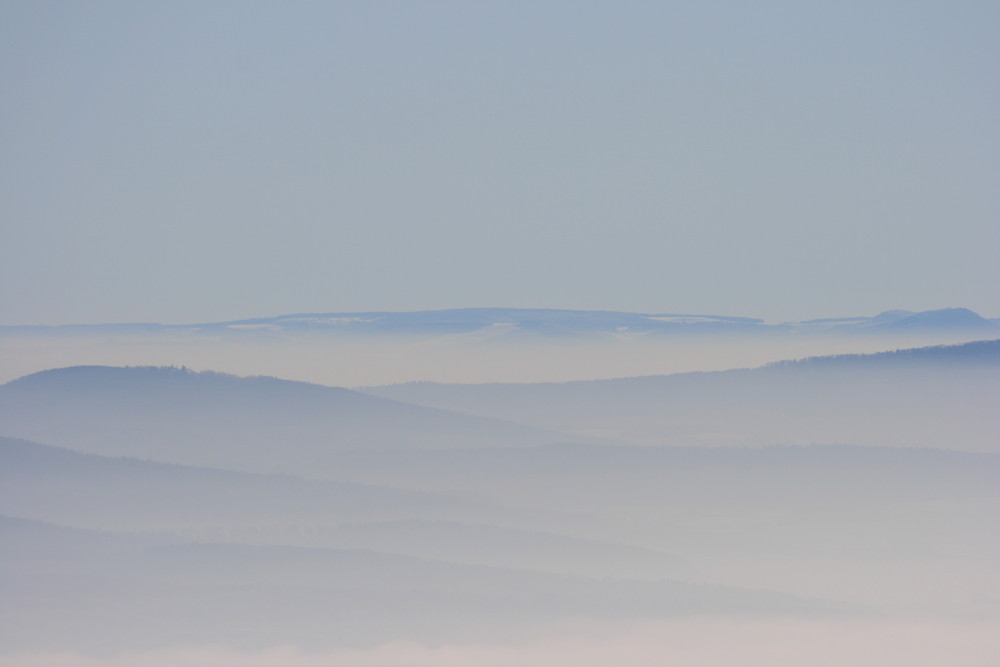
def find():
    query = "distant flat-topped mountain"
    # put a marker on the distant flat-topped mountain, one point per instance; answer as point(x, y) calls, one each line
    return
point(257, 424)
point(536, 322)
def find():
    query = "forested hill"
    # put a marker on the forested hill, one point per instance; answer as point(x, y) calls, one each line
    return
point(977, 353)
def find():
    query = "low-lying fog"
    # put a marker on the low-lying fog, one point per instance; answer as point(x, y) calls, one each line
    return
point(835, 511)
point(485, 356)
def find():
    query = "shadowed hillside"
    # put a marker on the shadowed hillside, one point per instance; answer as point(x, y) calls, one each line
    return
point(942, 397)
point(259, 424)
point(131, 591)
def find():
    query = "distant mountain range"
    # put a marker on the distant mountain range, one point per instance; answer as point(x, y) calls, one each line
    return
point(539, 322)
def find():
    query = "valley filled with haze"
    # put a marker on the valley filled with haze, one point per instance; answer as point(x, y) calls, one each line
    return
point(475, 334)
point(162, 513)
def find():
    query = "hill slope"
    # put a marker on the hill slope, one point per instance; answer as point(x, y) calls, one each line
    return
point(942, 396)
point(63, 486)
point(71, 589)
point(259, 424)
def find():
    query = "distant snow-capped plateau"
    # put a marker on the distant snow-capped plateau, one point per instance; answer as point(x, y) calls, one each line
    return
point(504, 322)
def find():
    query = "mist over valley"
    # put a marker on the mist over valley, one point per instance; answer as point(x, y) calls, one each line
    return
point(151, 507)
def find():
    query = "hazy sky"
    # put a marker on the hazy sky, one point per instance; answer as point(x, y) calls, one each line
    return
point(188, 161)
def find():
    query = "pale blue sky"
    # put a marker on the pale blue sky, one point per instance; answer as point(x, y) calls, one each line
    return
point(190, 161)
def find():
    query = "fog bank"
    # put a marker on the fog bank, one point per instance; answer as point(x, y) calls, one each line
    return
point(478, 357)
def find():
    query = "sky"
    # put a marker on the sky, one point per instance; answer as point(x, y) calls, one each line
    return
point(188, 161)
